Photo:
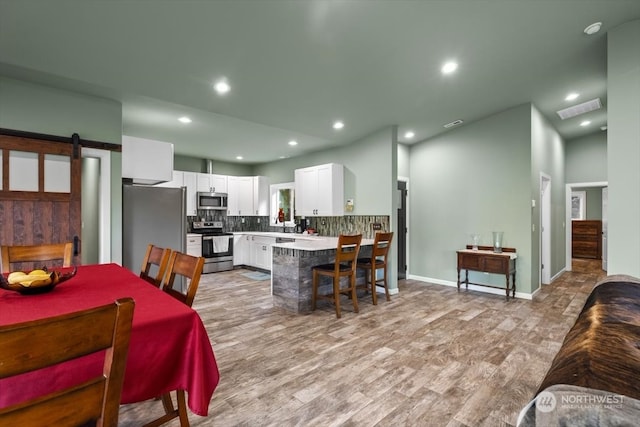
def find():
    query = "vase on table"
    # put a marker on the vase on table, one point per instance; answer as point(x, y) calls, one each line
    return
point(497, 241)
point(475, 239)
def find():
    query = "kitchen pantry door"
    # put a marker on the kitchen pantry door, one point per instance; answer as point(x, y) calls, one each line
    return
point(40, 193)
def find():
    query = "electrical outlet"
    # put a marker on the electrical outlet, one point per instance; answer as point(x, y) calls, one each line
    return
point(376, 226)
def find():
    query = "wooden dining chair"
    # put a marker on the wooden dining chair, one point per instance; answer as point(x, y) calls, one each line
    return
point(188, 267)
point(29, 346)
point(36, 254)
point(155, 259)
point(343, 266)
point(377, 261)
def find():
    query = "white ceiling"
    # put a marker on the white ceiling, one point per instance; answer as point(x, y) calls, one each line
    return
point(296, 66)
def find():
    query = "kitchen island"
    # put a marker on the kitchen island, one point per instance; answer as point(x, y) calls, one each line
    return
point(291, 274)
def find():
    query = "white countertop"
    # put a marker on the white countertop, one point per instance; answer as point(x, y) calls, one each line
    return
point(303, 242)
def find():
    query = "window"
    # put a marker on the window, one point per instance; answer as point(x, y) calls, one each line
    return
point(282, 197)
point(578, 204)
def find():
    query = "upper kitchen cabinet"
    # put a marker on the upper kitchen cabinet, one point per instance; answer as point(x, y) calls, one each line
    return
point(320, 190)
point(145, 161)
point(240, 195)
point(261, 195)
point(248, 196)
point(211, 183)
point(190, 181)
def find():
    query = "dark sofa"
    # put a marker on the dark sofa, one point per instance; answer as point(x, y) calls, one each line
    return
point(594, 380)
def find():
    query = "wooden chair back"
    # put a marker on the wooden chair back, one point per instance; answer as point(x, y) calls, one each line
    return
point(29, 346)
point(156, 259)
point(381, 246)
point(347, 251)
point(36, 255)
point(190, 268)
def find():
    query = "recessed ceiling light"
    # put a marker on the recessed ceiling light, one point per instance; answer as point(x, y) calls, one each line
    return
point(572, 96)
point(293, 142)
point(593, 28)
point(184, 119)
point(338, 125)
point(409, 134)
point(239, 157)
point(449, 67)
point(222, 87)
point(585, 123)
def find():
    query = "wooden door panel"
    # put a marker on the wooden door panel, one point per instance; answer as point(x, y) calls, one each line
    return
point(35, 217)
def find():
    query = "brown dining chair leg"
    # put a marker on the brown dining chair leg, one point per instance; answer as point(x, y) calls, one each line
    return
point(386, 286)
point(374, 294)
point(336, 295)
point(182, 409)
point(354, 296)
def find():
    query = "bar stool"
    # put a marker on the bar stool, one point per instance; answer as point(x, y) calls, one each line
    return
point(378, 260)
point(343, 266)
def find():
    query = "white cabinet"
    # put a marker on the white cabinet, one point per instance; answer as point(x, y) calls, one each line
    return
point(253, 251)
point(194, 244)
point(240, 195)
point(260, 252)
point(241, 249)
point(320, 190)
point(211, 183)
point(248, 195)
point(261, 195)
point(189, 181)
point(176, 182)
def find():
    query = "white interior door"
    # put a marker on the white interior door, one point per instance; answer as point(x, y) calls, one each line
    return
point(545, 229)
point(605, 203)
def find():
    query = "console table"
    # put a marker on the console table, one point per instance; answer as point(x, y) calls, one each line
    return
point(485, 260)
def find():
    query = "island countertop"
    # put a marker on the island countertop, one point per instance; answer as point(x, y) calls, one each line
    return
point(303, 242)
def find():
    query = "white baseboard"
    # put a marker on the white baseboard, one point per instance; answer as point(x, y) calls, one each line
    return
point(484, 289)
point(558, 274)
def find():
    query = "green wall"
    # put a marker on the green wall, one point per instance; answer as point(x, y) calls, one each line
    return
point(586, 158)
point(623, 148)
point(473, 179)
point(42, 109)
point(197, 164)
point(594, 201)
point(403, 160)
point(548, 158)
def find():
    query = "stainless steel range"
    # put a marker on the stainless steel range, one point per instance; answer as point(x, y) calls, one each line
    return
point(217, 246)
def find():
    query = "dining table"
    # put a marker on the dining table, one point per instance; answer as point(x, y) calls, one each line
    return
point(169, 347)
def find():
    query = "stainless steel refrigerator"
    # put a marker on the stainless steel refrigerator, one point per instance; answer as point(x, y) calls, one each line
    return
point(156, 215)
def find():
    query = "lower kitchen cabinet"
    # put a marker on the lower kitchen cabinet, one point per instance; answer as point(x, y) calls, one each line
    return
point(253, 251)
point(194, 244)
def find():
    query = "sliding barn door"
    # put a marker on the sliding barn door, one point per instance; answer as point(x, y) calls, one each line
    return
point(40, 192)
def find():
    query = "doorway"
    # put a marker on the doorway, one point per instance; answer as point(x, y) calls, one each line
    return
point(545, 229)
point(569, 188)
point(96, 221)
point(402, 229)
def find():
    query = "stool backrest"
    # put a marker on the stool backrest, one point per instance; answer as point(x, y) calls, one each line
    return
point(348, 249)
point(381, 245)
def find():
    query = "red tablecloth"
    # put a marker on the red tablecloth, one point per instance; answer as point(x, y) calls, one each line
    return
point(169, 348)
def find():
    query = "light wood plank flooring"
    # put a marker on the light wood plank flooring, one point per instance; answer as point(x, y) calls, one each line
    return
point(430, 357)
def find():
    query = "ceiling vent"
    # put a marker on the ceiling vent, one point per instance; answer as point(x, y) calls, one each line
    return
point(576, 110)
point(453, 123)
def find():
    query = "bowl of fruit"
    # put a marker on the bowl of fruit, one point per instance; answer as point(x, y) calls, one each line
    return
point(36, 281)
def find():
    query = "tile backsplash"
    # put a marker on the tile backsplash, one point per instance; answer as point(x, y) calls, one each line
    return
point(325, 226)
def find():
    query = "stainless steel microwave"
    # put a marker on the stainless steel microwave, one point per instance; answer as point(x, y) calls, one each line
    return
point(212, 201)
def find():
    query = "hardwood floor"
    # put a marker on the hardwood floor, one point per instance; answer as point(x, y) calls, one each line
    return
point(430, 357)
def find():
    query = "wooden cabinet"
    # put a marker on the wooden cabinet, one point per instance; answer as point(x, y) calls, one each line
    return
point(320, 190)
point(486, 261)
point(586, 239)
